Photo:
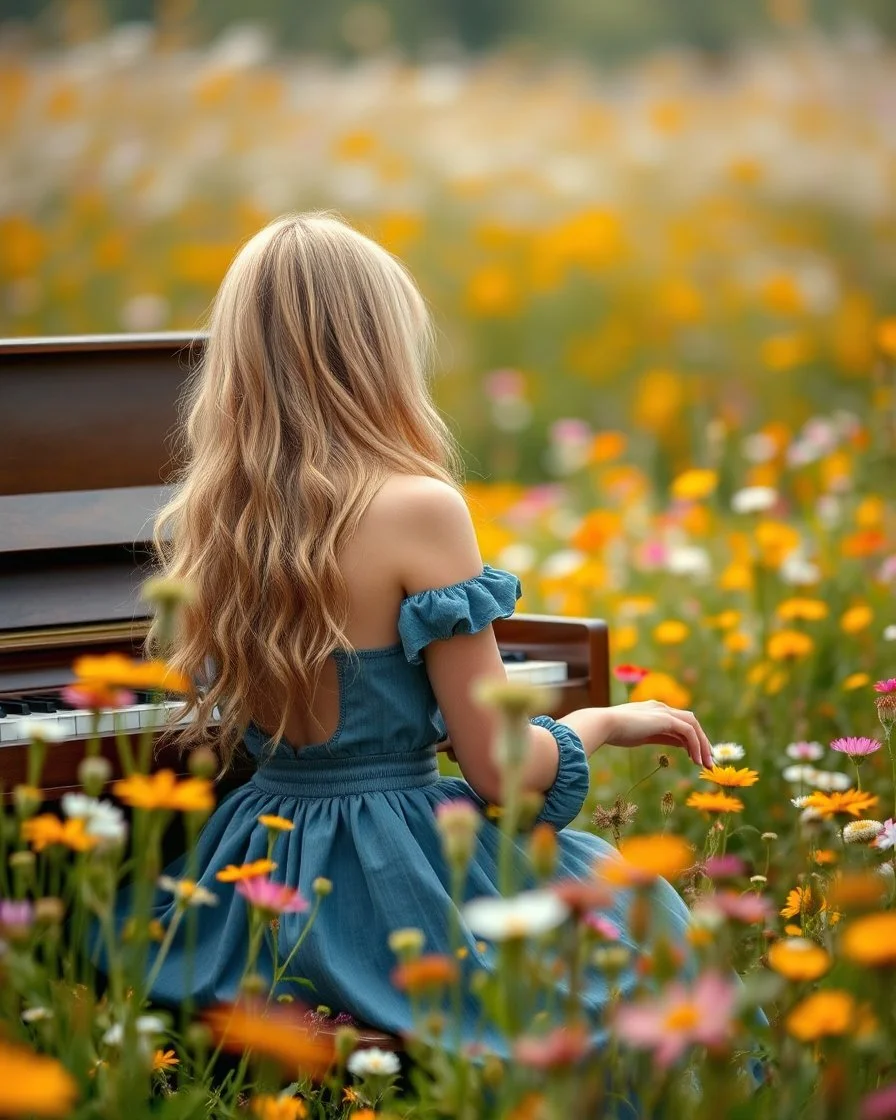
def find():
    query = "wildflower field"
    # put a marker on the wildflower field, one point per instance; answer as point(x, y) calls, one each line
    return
point(667, 304)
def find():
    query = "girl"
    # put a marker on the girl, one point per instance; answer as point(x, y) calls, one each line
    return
point(341, 601)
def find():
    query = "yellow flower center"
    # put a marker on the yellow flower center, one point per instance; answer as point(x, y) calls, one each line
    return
point(683, 1018)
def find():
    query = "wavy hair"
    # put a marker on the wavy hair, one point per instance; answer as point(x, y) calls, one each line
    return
point(312, 390)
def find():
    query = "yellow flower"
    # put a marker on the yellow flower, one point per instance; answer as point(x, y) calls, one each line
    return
point(162, 790)
point(736, 577)
point(276, 824)
point(672, 632)
point(856, 680)
point(636, 606)
point(853, 802)
point(871, 940)
point(233, 874)
point(828, 1015)
point(776, 540)
point(164, 1059)
point(789, 645)
point(715, 802)
point(857, 890)
point(268, 1107)
point(645, 858)
point(795, 958)
point(856, 619)
point(885, 336)
point(625, 638)
point(726, 620)
point(802, 610)
point(46, 830)
point(662, 687)
point(34, 1085)
point(114, 670)
point(730, 776)
point(737, 642)
point(694, 485)
point(802, 901)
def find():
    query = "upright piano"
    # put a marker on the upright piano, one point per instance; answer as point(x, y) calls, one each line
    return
point(85, 462)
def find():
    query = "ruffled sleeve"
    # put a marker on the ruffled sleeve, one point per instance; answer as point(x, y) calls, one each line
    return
point(564, 800)
point(461, 608)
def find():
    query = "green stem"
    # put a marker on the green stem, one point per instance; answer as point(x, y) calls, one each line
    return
point(167, 942)
point(281, 971)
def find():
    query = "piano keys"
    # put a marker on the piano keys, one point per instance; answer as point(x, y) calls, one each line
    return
point(83, 469)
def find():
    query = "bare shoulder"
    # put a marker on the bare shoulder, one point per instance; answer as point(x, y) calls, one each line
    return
point(426, 526)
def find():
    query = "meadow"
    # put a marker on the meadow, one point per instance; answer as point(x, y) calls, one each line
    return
point(667, 307)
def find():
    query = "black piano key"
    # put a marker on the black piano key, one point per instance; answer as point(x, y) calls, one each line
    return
point(513, 656)
point(37, 704)
point(13, 707)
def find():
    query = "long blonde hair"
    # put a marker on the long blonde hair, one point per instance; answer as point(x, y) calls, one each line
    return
point(312, 390)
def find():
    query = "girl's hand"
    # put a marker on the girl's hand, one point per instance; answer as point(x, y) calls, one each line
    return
point(633, 725)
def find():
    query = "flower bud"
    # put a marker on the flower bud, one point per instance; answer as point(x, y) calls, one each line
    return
point(322, 887)
point(663, 761)
point(27, 800)
point(458, 823)
point(198, 1038)
point(492, 1071)
point(23, 862)
point(531, 804)
point(345, 1040)
point(406, 943)
point(769, 836)
point(543, 850)
point(667, 804)
point(254, 985)
point(93, 774)
point(203, 763)
point(49, 911)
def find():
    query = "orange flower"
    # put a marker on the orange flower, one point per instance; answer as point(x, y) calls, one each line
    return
point(885, 337)
point(853, 802)
point(672, 632)
point(46, 830)
point(715, 803)
point(789, 645)
point(164, 1059)
point(34, 1085)
point(662, 687)
point(730, 776)
point(802, 610)
point(795, 958)
point(801, 901)
point(608, 446)
point(114, 670)
point(431, 971)
point(871, 940)
point(276, 824)
point(274, 1033)
point(645, 858)
point(828, 1015)
point(694, 485)
point(233, 874)
point(162, 790)
point(269, 1107)
point(856, 890)
point(857, 618)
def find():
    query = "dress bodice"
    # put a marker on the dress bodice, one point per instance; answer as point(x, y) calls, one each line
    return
point(386, 703)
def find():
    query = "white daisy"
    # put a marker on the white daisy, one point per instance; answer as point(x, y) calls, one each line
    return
point(525, 915)
point(373, 1063)
point(804, 752)
point(799, 775)
point(42, 730)
point(754, 499)
point(727, 752)
point(862, 832)
point(887, 836)
point(831, 780)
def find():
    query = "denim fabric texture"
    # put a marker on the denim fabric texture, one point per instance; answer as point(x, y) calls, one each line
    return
point(363, 806)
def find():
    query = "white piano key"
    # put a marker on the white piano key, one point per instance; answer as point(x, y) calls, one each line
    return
point(538, 672)
point(9, 729)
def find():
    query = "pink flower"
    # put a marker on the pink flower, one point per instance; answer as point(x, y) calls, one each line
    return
point(887, 838)
point(680, 1017)
point(879, 1105)
point(856, 746)
point(563, 1046)
point(724, 867)
point(748, 908)
point(273, 898)
point(630, 674)
point(502, 384)
point(95, 696)
point(602, 926)
point(886, 686)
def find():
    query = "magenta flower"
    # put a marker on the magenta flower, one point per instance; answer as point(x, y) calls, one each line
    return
point(700, 1015)
point(748, 908)
point(602, 926)
point(856, 746)
point(562, 1047)
point(270, 897)
point(886, 686)
point(724, 867)
point(16, 917)
point(879, 1105)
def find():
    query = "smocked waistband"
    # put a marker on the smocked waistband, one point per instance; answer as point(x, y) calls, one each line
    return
point(347, 775)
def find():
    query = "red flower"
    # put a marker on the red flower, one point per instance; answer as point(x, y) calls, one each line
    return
point(630, 674)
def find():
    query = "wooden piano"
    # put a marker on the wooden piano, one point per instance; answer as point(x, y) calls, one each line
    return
point(84, 464)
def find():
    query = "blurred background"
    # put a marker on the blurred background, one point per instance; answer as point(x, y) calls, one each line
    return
point(650, 222)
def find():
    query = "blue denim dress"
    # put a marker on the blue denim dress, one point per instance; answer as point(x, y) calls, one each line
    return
point(363, 805)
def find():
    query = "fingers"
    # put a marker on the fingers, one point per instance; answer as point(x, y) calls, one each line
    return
point(705, 754)
point(688, 738)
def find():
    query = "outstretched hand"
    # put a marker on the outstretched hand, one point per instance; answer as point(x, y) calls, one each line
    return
point(649, 721)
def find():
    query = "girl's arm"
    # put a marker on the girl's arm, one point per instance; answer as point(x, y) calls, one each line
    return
point(435, 546)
